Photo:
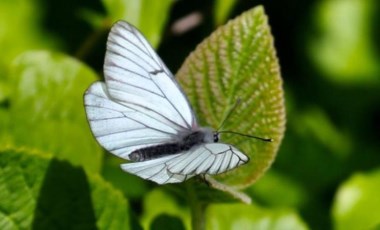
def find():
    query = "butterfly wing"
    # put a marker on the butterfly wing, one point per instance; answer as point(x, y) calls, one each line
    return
point(210, 158)
point(140, 104)
point(137, 77)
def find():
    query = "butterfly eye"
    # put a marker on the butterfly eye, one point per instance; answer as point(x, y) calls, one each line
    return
point(216, 137)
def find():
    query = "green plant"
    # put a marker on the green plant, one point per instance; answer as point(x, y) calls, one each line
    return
point(325, 174)
point(236, 61)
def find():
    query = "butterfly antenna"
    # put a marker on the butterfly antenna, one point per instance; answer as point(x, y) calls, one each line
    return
point(229, 114)
point(246, 135)
point(238, 101)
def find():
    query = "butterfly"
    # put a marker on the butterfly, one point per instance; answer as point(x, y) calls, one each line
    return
point(141, 114)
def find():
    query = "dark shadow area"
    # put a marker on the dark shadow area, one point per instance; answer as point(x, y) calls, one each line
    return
point(65, 20)
point(173, 49)
point(134, 221)
point(64, 201)
point(167, 222)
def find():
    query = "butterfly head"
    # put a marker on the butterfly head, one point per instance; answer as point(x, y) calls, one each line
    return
point(210, 136)
point(216, 136)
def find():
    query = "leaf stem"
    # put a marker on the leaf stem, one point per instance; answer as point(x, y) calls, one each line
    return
point(228, 189)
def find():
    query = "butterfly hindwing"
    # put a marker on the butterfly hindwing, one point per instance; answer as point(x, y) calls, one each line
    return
point(211, 158)
point(120, 129)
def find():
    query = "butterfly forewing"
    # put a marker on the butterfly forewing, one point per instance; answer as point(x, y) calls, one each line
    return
point(130, 54)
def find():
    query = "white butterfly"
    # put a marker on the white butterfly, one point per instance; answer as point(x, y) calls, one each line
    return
point(141, 114)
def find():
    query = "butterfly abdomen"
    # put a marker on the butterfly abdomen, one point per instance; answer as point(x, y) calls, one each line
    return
point(153, 152)
point(157, 151)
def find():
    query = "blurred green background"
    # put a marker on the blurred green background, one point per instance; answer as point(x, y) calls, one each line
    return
point(327, 172)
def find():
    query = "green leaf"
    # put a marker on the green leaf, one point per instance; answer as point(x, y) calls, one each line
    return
point(167, 222)
point(4, 120)
point(121, 180)
point(240, 216)
point(222, 9)
point(4, 90)
point(158, 202)
point(314, 122)
point(357, 202)
point(345, 49)
point(19, 18)
point(40, 192)
point(278, 190)
point(46, 107)
point(20, 29)
point(238, 61)
point(206, 190)
point(312, 137)
point(148, 16)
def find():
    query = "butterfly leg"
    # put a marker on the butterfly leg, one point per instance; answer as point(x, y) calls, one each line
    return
point(204, 179)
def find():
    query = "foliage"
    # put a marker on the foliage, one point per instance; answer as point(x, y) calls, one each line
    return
point(353, 200)
point(238, 62)
point(325, 176)
point(48, 88)
point(42, 192)
point(344, 50)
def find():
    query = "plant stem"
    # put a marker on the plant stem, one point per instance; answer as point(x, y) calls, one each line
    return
point(198, 209)
point(198, 221)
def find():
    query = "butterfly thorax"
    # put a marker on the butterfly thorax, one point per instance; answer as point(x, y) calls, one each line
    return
point(184, 144)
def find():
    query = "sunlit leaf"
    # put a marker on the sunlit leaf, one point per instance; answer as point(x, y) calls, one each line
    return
point(40, 192)
point(238, 61)
point(159, 202)
point(46, 107)
point(344, 49)
point(222, 8)
point(240, 216)
point(20, 29)
point(277, 190)
point(4, 90)
point(148, 16)
point(357, 203)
